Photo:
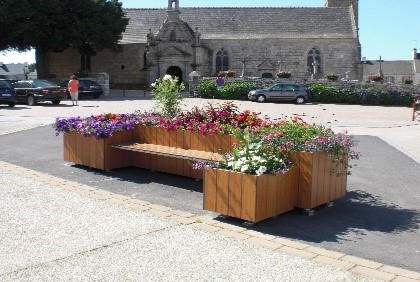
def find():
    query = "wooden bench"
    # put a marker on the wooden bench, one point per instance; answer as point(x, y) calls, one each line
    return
point(170, 151)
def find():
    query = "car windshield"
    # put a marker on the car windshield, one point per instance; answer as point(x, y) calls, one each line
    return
point(88, 83)
point(43, 83)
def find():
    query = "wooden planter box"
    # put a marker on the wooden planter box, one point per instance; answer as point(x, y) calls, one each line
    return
point(249, 197)
point(320, 180)
point(96, 153)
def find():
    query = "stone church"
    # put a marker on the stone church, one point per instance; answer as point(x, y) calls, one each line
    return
point(253, 42)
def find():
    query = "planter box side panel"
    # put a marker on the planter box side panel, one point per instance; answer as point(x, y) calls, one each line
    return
point(306, 191)
point(115, 158)
point(320, 179)
point(222, 192)
point(249, 195)
point(261, 199)
point(209, 190)
point(162, 136)
point(69, 147)
point(235, 195)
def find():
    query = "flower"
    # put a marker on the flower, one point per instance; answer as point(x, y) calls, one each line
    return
point(100, 126)
point(262, 145)
point(252, 156)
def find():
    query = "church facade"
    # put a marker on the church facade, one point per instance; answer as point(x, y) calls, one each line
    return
point(253, 42)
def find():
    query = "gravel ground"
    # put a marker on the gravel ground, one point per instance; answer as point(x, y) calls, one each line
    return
point(49, 234)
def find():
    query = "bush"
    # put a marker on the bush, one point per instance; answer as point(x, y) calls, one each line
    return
point(236, 90)
point(166, 94)
point(206, 89)
point(360, 96)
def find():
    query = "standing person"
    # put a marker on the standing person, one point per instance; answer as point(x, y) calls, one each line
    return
point(73, 87)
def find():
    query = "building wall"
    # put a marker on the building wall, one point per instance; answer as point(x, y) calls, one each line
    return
point(261, 56)
point(64, 64)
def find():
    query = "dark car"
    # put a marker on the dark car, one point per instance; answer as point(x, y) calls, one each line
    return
point(34, 91)
point(87, 88)
point(7, 93)
point(280, 92)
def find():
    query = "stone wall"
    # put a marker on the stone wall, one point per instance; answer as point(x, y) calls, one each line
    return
point(339, 56)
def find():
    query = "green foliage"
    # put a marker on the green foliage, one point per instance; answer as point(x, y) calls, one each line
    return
point(32, 67)
point(206, 89)
point(51, 25)
point(361, 96)
point(236, 90)
point(166, 93)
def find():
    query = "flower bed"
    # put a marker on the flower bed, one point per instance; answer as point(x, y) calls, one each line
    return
point(261, 147)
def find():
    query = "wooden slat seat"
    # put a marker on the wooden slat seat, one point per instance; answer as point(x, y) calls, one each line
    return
point(169, 151)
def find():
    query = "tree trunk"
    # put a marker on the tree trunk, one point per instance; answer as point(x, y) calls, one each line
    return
point(42, 57)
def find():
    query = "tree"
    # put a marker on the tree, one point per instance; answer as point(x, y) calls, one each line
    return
point(56, 25)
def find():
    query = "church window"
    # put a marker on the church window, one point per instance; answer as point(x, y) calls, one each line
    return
point(85, 63)
point(267, 75)
point(222, 61)
point(314, 61)
point(145, 60)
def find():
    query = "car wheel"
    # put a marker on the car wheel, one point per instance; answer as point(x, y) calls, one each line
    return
point(56, 102)
point(31, 100)
point(261, 98)
point(11, 104)
point(300, 100)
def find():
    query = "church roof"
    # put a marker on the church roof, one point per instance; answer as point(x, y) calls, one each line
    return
point(391, 68)
point(247, 23)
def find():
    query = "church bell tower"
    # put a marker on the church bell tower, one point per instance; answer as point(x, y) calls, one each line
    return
point(354, 4)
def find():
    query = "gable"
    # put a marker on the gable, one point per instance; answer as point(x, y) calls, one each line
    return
point(173, 51)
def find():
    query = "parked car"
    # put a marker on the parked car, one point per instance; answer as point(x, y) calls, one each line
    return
point(34, 91)
point(7, 93)
point(87, 88)
point(280, 92)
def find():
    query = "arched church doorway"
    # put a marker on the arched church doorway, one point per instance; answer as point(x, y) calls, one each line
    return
point(175, 71)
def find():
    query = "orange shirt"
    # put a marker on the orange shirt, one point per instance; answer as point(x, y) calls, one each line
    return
point(73, 85)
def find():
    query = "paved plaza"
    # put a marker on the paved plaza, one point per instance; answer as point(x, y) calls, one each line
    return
point(61, 222)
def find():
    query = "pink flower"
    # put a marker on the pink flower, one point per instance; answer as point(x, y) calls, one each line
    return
point(289, 144)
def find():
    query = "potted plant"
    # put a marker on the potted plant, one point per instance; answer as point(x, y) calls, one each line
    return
point(284, 74)
point(86, 140)
point(321, 156)
point(332, 76)
point(375, 78)
point(255, 182)
point(407, 80)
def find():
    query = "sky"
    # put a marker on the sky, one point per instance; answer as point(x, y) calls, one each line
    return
point(387, 28)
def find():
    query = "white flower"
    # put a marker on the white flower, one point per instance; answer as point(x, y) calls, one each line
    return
point(153, 84)
point(261, 170)
point(244, 168)
point(167, 77)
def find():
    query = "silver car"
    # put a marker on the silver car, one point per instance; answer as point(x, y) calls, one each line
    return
point(280, 92)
